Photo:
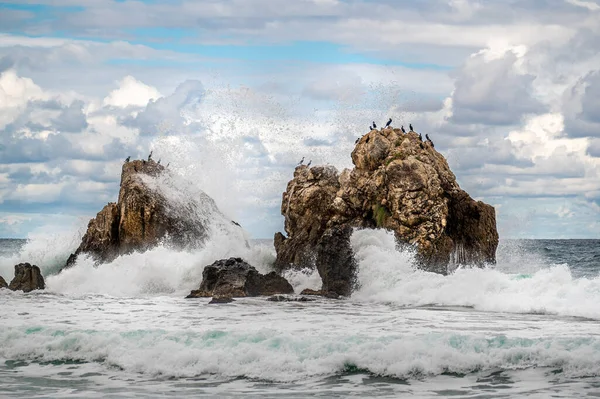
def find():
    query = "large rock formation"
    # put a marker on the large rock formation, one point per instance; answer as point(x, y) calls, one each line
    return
point(233, 277)
point(3, 283)
point(398, 183)
point(27, 278)
point(143, 217)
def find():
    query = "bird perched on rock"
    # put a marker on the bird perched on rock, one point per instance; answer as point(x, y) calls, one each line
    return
point(388, 123)
point(356, 142)
point(301, 161)
point(158, 163)
point(420, 137)
point(309, 162)
point(429, 140)
point(402, 128)
point(411, 128)
point(128, 158)
point(150, 156)
point(374, 125)
point(370, 128)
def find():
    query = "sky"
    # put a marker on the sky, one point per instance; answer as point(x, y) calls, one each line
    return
point(232, 93)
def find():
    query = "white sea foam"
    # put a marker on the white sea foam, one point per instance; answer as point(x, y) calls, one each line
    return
point(387, 274)
point(274, 355)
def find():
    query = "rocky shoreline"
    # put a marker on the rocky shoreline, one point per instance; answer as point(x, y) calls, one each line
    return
point(399, 183)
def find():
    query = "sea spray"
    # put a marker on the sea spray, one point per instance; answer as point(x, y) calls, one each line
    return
point(388, 274)
point(49, 251)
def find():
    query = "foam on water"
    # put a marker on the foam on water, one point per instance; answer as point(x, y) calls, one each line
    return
point(274, 356)
point(387, 274)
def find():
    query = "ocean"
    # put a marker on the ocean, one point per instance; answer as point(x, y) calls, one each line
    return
point(528, 326)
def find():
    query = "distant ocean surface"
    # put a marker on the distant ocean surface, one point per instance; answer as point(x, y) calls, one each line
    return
point(528, 326)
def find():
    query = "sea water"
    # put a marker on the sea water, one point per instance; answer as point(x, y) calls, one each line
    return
point(528, 326)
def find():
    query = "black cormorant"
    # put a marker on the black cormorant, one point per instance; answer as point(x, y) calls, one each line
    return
point(309, 162)
point(301, 161)
point(411, 128)
point(150, 156)
point(420, 137)
point(429, 140)
point(388, 123)
point(402, 128)
point(374, 125)
point(128, 158)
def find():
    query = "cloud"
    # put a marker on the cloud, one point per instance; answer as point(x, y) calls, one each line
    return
point(594, 148)
point(166, 115)
point(131, 92)
point(493, 91)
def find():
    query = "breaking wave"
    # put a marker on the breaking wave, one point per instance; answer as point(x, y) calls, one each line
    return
point(387, 274)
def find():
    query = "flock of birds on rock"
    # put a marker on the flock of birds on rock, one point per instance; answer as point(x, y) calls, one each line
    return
point(149, 159)
point(389, 122)
point(372, 127)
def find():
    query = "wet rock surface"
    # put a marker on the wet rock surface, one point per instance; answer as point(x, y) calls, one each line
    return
point(143, 217)
point(234, 277)
point(398, 183)
point(27, 278)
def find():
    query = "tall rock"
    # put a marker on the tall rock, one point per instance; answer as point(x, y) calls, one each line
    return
point(144, 216)
point(3, 283)
point(399, 183)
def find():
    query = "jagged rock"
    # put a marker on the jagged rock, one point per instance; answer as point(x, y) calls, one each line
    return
point(143, 217)
point(234, 277)
point(27, 278)
point(220, 299)
point(3, 283)
point(398, 183)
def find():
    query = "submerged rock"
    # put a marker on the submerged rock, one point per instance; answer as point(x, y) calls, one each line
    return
point(3, 283)
point(27, 278)
point(234, 277)
point(283, 298)
point(143, 217)
point(399, 183)
point(220, 299)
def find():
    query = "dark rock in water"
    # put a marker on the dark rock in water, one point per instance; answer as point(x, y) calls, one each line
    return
point(220, 299)
point(397, 184)
point(142, 218)
point(234, 277)
point(335, 262)
point(308, 291)
point(27, 278)
point(3, 283)
point(283, 298)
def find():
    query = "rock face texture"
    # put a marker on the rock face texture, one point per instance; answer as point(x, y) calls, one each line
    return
point(399, 183)
point(142, 218)
point(3, 283)
point(27, 278)
point(233, 277)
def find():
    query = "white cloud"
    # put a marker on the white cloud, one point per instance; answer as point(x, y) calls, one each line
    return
point(590, 5)
point(131, 92)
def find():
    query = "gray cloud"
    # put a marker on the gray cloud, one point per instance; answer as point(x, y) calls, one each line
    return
point(164, 115)
point(71, 118)
point(493, 93)
point(594, 148)
point(582, 105)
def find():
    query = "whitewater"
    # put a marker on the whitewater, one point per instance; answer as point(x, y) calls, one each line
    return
point(525, 327)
